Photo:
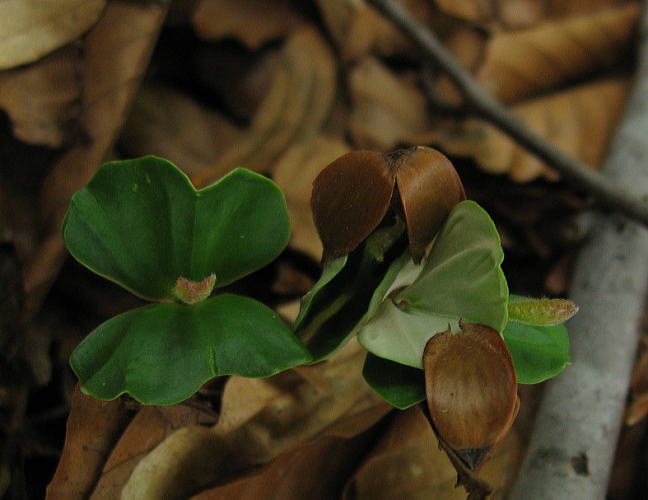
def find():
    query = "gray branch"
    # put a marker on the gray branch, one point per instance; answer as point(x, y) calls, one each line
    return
point(574, 439)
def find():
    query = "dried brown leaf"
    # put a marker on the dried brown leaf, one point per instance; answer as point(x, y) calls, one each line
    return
point(472, 10)
point(295, 172)
point(33, 28)
point(93, 428)
point(579, 121)
point(115, 55)
point(167, 123)
point(517, 14)
point(42, 100)
point(407, 463)
point(317, 469)
point(359, 30)
point(149, 428)
point(521, 64)
point(387, 110)
point(254, 22)
point(292, 112)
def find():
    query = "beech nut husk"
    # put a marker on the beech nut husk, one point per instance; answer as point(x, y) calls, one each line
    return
point(471, 390)
point(353, 193)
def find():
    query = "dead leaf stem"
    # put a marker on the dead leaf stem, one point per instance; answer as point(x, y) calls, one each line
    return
point(608, 192)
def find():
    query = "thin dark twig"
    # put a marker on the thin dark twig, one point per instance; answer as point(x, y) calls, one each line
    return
point(607, 192)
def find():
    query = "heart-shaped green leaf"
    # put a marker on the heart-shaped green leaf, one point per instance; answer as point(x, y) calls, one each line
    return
point(539, 352)
point(399, 385)
point(162, 353)
point(142, 224)
point(461, 280)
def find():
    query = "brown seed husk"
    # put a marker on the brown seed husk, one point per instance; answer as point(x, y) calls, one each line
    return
point(428, 188)
point(471, 390)
point(350, 198)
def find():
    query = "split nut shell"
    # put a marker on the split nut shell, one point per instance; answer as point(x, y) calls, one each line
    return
point(471, 390)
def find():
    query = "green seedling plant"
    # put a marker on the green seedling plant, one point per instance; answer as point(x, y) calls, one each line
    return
point(142, 224)
point(411, 269)
point(415, 275)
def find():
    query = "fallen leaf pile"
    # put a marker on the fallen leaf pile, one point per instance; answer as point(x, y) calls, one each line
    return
point(282, 88)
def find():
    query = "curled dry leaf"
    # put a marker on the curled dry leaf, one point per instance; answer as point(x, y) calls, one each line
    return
point(638, 407)
point(33, 28)
point(93, 428)
point(579, 121)
point(387, 110)
point(352, 195)
point(315, 469)
point(114, 57)
point(471, 390)
point(408, 463)
point(517, 14)
point(358, 29)
point(216, 19)
point(468, 46)
point(254, 22)
point(166, 123)
point(295, 172)
point(42, 100)
point(292, 112)
point(521, 64)
point(151, 426)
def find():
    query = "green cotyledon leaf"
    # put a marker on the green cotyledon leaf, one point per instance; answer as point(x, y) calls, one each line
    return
point(142, 224)
point(162, 353)
point(461, 279)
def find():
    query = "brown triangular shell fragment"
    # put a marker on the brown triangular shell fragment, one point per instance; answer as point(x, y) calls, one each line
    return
point(471, 390)
point(428, 187)
point(350, 198)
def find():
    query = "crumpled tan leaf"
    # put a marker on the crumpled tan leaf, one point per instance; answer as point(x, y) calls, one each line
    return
point(579, 121)
point(521, 64)
point(359, 30)
point(92, 430)
point(167, 123)
point(115, 54)
point(30, 29)
point(407, 463)
point(387, 109)
point(293, 111)
point(517, 14)
point(148, 428)
point(42, 99)
point(295, 172)
point(315, 470)
point(254, 22)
